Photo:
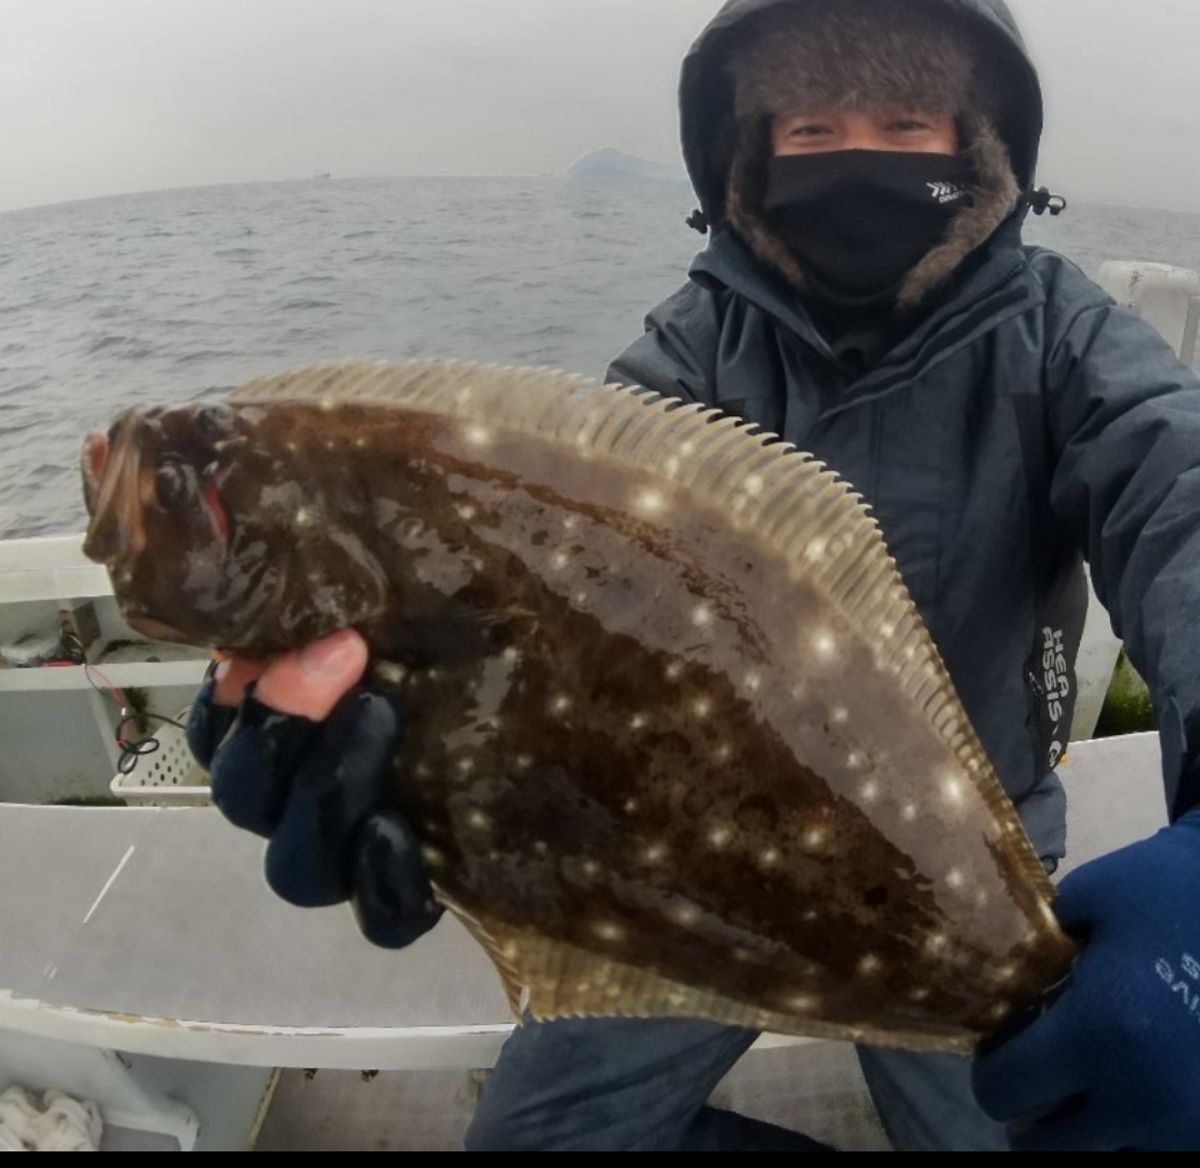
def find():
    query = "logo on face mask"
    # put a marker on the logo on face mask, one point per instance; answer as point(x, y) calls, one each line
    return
point(945, 192)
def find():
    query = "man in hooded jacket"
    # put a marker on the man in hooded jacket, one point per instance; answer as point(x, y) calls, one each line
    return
point(864, 168)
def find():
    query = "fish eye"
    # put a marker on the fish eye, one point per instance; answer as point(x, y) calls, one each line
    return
point(171, 486)
point(216, 422)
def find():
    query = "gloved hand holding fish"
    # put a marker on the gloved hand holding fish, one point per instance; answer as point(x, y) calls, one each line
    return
point(675, 740)
point(310, 774)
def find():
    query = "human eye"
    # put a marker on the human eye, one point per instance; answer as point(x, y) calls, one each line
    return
point(809, 130)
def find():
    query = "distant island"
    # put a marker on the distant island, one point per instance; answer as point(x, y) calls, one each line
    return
point(613, 168)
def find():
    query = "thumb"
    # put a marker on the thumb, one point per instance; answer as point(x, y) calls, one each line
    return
point(309, 682)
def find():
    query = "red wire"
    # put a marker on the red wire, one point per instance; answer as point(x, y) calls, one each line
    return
point(113, 692)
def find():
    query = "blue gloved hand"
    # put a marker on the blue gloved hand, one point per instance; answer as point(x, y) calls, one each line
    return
point(1114, 1062)
point(295, 761)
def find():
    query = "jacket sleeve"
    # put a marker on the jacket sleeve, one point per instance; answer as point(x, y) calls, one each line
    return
point(677, 353)
point(1124, 419)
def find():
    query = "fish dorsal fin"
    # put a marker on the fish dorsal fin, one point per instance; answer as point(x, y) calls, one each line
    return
point(797, 508)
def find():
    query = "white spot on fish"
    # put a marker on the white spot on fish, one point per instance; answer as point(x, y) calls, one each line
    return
point(478, 820)
point(720, 835)
point(955, 878)
point(920, 994)
point(869, 965)
point(687, 448)
point(432, 856)
point(816, 549)
point(702, 707)
point(981, 898)
point(630, 806)
point(591, 869)
point(655, 853)
point(304, 517)
point(360, 443)
point(1004, 973)
point(541, 847)
point(909, 812)
point(802, 1003)
point(723, 753)
point(638, 722)
point(702, 616)
point(509, 949)
point(839, 714)
point(511, 654)
point(685, 914)
point(998, 1011)
point(560, 704)
point(671, 466)
point(466, 511)
point(523, 762)
point(292, 448)
point(869, 791)
point(814, 837)
point(769, 858)
point(560, 560)
point(328, 404)
point(675, 998)
point(674, 671)
point(935, 942)
point(570, 523)
point(855, 759)
point(810, 915)
point(887, 631)
point(477, 435)
point(466, 766)
point(952, 791)
point(754, 682)
point(825, 646)
point(753, 486)
point(581, 597)
point(390, 673)
point(330, 444)
point(650, 502)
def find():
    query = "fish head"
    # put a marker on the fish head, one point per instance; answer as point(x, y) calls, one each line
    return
point(211, 539)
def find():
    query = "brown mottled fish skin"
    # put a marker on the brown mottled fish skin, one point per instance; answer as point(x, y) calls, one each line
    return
point(678, 743)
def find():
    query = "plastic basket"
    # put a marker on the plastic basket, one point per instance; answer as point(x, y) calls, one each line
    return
point(170, 777)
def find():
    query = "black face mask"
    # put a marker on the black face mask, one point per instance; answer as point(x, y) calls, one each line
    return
point(860, 220)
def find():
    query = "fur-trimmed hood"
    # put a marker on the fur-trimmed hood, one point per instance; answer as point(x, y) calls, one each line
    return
point(1002, 118)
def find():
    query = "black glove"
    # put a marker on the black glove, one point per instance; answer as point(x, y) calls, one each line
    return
point(315, 790)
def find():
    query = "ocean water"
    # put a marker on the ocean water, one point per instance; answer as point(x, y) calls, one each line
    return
point(172, 296)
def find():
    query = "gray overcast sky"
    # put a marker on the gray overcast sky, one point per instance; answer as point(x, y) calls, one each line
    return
point(102, 96)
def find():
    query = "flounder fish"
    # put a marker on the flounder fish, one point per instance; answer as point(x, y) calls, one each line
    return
point(678, 742)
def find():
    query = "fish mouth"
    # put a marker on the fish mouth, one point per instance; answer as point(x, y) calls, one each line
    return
point(92, 462)
point(111, 492)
